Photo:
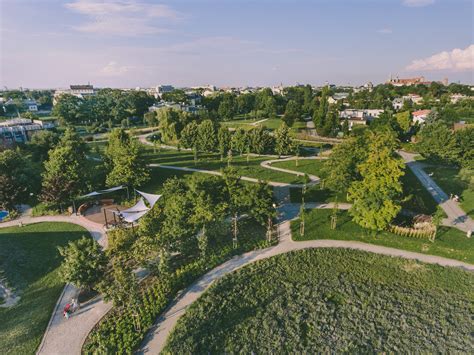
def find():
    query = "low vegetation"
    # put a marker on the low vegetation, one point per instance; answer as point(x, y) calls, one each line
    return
point(331, 300)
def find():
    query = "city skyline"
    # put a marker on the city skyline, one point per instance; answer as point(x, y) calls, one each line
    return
point(139, 43)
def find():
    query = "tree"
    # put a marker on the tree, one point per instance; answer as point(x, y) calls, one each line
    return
point(67, 170)
point(84, 263)
point(436, 141)
point(260, 140)
point(236, 202)
point(292, 113)
point(17, 178)
point(375, 197)
point(342, 166)
point(259, 201)
point(171, 123)
point(283, 141)
point(189, 135)
point(207, 139)
point(227, 107)
point(125, 160)
point(319, 117)
point(404, 120)
point(331, 123)
point(239, 140)
point(41, 143)
point(67, 108)
point(223, 138)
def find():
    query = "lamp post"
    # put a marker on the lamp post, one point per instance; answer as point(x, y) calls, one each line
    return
point(276, 214)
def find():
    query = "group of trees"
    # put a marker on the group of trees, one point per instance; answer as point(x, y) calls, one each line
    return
point(57, 169)
point(108, 106)
point(207, 137)
point(368, 169)
point(190, 215)
point(43, 98)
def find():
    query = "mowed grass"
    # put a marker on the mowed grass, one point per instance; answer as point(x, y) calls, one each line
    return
point(29, 261)
point(330, 301)
point(418, 199)
point(212, 161)
point(449, 180)
point(450, 243)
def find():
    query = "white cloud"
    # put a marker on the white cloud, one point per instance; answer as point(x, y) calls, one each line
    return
point(455, 60)
point(113, 69)
point(418, 3)
point(121, 17)
point(385, 31)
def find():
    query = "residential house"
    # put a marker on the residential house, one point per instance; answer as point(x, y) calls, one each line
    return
point(31, 105)
point(458, 97)
point(397, 103)
point(368, 114)
point(416, 99)
point(420, 116)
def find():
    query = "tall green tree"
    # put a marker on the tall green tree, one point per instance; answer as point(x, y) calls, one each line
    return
point(224, 139)
point(125, 162)
point(84, 263)
point(292, 113)
point(239, 141)
point(17, 178)
point(67, 171)
point(207, 136)
point(376, 197)
point(283, 140)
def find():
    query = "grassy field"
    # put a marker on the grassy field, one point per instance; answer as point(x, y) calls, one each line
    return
point(30, 262)
point(211, 161)
point(450, 243)
point(307, 166)
point(449, 180)
point(330, 301)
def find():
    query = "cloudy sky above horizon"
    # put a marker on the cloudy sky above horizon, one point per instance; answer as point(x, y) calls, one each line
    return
point(130, 43)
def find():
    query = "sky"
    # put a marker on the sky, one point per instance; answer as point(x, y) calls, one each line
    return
point(144, 43)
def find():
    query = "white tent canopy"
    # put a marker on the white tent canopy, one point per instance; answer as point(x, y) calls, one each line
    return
point(151, 198)
point(133, 217)
point(138, 207)
point(101, 192)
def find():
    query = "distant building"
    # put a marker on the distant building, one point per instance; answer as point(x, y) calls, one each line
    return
point(406, 82)
point(368, 114)
point(31, 105)
point(20, 130)
point(397, 103)
point(416, 99)
point(337, 96)
point(79, 91)
point(458, 97)
point(420, 116)
point(163, 89)
point(175, 106)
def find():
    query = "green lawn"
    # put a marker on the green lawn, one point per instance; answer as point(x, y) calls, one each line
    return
point(450, 243)
point(330, 301)
point(211, 161)
point(449, 180)
point(307, 166)
point(419, 200)
point(30, 261)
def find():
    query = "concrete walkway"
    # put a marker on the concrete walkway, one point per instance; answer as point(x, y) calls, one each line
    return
point(457, 218)
point(67, 336)
point(155, 340)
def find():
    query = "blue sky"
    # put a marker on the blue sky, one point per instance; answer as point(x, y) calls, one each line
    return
point(129, 43)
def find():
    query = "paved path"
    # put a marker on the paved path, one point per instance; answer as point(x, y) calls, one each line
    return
point(67, 336)
point(457, 218)
point(156, 338)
